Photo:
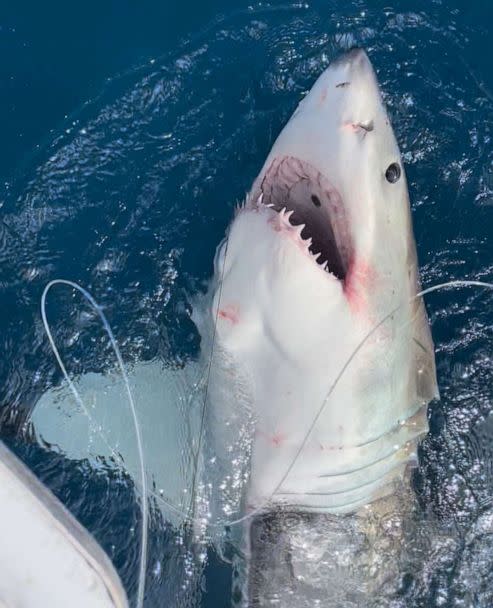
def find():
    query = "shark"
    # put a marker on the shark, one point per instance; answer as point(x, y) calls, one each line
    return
point(317, 363)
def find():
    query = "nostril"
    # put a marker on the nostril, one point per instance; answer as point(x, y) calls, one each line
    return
point(367, 126)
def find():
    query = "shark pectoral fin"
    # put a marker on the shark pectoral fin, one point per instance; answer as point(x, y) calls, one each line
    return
point(168, 416)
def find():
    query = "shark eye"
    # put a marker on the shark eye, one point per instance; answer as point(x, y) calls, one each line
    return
point(315, 200)
point(393, 173)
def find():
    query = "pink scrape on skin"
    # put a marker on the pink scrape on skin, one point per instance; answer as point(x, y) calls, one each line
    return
point(276, 439)
point(350, 126)
point(359, 280)
point(230, 312)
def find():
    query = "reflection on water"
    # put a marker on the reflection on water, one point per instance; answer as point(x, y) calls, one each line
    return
point(132, 196)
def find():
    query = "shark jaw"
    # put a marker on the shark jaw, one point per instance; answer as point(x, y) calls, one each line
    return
point(310, 208)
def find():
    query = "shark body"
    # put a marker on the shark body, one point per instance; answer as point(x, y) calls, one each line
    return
point(316, 355)
point(315, 316)
point(316, 259)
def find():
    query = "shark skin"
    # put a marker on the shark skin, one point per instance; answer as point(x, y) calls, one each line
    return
point(315, 321)
point(289, 321)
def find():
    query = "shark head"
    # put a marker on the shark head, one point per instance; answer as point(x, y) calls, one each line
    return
point(336, 171)
point(321, 251)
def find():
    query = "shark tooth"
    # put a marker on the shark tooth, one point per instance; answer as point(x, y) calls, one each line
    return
point(289, 214)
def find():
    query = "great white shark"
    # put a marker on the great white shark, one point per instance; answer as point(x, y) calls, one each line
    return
point(317, 361)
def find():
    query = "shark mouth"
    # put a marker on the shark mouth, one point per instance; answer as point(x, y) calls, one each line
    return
point(302, 194)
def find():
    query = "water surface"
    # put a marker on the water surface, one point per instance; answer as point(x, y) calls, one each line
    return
point(130, 136)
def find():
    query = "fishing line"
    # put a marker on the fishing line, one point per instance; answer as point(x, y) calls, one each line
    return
point(96, 429)
point(449, 284)
point(355, 352)
point(116, 350)
point(206, 379)
point(144, 486)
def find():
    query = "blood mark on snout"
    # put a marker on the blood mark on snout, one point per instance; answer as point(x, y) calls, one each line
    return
point(350, 126)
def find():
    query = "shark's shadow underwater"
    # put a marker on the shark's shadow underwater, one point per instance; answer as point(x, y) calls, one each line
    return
point(298, 425)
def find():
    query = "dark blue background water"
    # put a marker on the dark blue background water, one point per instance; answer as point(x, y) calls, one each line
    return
point(128, 133)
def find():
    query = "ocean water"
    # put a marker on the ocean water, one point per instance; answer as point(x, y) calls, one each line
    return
point(129, 134)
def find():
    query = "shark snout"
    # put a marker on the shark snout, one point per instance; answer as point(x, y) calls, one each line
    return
point(353, 70)
point(347, 93)
point(352, 97)
point(355, 58)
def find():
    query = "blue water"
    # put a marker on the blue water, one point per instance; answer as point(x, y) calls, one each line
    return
point(129, 132)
